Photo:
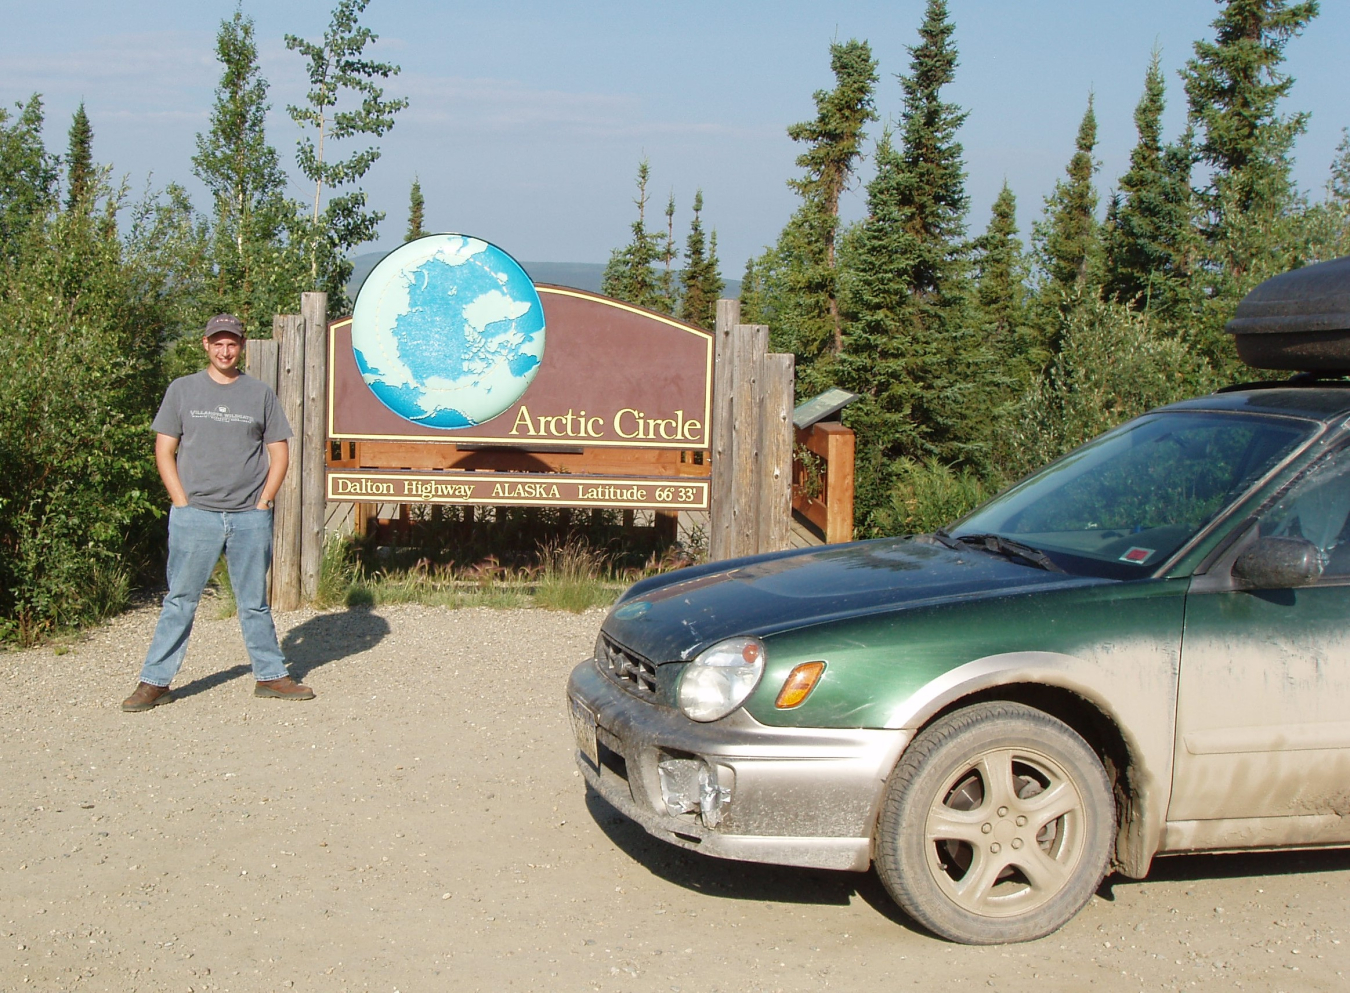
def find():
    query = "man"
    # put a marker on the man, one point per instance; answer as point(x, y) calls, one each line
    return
point(221, 448)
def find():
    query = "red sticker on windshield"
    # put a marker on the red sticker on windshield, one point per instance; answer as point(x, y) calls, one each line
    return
point(1137, 555)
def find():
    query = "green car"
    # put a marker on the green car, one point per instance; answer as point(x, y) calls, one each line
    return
point(1140, 649)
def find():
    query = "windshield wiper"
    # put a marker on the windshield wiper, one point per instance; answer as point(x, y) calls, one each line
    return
point(996, 544)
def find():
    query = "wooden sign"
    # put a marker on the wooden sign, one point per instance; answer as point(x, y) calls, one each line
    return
point(577, 400)
point(518, 489)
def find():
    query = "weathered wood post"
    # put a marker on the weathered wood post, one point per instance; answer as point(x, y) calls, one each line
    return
point(260, 361)
point(776, 437)
point(287, 518)
point(310, 466)
point(747, 372)
point(719, 523)
point(751, 440)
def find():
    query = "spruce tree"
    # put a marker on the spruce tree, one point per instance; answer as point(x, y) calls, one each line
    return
point(1234, 85)
point(1338, 186)
point(1147, 235)
point(27, 174)
point(256, 272)
point(910, 347)
point(1068, 244)
point(798, 281)
point(630, 275)
point(416, 209)
point(79, 158)
point(700, 282)
point(1250, 207)
point(1000, 286)
point(337, 68)
point(668, 280)
point(712, 284)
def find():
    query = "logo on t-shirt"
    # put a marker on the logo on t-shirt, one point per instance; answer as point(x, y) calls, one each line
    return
point(223, 415)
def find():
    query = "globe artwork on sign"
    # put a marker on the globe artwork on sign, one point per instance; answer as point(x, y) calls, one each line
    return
point(448, 331)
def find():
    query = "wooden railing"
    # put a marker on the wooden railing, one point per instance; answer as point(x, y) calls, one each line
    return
point(822, 478)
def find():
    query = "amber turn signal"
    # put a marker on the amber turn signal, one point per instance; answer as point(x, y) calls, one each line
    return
point(799, 684)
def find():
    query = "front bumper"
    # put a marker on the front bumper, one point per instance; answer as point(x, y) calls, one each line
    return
point(790, 796)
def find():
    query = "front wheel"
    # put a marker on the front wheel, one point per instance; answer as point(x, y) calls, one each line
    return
point(997, 825)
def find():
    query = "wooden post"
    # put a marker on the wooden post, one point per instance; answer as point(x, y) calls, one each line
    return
point(286, 523)
point(260, 361)
point(363, 515)
point(775, 463)
point(667, 524)
point(314, 314)
point(719, 519)
point(839, 484)
point(747, 371)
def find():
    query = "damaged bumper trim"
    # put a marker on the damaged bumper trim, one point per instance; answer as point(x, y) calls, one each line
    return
point(791, 796)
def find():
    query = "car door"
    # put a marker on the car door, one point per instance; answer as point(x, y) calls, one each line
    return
point(1263, 714)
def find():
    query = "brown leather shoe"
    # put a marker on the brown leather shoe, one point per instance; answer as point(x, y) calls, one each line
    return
point(284, 688)
point(147, 697)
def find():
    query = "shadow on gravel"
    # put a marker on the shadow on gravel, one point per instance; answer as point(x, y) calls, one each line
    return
point(1185, 868)
point(210, 682)
point(1195, 867)
point(330, 637)
point(742, 880)
point(320, 640)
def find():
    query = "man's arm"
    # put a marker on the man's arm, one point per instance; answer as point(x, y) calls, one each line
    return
point(279, 455)
point(166, 460)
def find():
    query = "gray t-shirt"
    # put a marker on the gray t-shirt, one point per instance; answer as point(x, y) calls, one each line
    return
point(222, 434)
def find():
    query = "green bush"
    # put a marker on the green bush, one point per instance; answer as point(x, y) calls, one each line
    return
point(1112, 365)
point(929, 495)
point(79, 382)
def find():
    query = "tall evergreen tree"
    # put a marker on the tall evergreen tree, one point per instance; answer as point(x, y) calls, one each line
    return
point(416, 208)
point(255, 272)
point(337, 67)
point(630, 275)
point(910, 348)
point(1147, 235)
point(700, 282)
point(27, 174)
point(1000, 285)
point(1068, 241)
point(79, 158)
point(798, 277)
point(1250, 207)
point(1234, 85)
point(1338, 186)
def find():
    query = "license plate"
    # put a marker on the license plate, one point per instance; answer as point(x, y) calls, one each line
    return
point(583, 729)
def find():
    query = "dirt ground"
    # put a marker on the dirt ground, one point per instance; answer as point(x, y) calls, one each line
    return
point(421, 827)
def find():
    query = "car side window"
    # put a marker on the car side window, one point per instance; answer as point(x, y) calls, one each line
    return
point(1317, 509)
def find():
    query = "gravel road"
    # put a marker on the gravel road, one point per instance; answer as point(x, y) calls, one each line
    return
point(420, 827)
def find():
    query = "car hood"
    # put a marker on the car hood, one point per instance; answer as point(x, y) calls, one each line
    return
point(693, 608)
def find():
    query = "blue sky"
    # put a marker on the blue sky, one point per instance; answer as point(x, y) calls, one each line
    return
point(527, 118)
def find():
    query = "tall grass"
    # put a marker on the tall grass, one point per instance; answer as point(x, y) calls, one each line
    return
point(566, 574)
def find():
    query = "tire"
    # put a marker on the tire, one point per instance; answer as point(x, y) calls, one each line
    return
point(997, 825)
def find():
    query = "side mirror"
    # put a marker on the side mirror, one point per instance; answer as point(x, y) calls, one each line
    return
point(1279, 564)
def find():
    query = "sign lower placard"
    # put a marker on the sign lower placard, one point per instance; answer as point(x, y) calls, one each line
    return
point(518, 489)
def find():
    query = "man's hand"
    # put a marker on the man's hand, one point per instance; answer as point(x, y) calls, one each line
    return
point(166, 461)
point(279, 457)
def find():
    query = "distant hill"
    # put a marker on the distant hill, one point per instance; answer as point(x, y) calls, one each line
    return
point(578, 275)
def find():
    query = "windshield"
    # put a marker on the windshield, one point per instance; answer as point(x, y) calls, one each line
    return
point(1124, 503)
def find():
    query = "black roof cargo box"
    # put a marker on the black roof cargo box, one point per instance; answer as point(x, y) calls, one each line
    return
point(1298, 320)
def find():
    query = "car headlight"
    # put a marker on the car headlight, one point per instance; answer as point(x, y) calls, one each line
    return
point(720, 678)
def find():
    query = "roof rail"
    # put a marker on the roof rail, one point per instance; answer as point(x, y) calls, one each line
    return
point(1297, 380)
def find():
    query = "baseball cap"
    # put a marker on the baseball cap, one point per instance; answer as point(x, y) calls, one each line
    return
point(227, 323)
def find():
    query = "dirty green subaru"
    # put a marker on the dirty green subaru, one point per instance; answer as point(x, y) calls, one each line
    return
point(1141, 649)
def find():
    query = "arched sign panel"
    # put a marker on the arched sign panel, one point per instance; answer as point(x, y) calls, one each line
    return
point(457, 381)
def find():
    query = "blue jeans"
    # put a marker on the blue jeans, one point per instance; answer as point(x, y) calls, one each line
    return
point(196, 539)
